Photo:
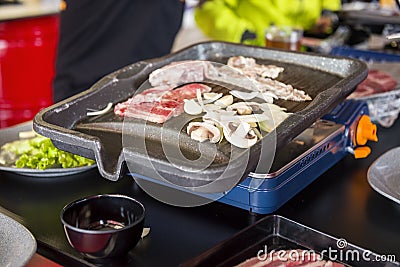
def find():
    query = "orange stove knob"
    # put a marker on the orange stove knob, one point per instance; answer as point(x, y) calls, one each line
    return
point(362, 152)
point(366, 131)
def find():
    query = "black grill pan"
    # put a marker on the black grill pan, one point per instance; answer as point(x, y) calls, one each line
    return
point(327, 79)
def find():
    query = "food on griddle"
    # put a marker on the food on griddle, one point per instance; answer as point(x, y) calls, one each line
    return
point(161, 102)
point(376, 82)
point(238, 123)
point(180, 72)
point(251, 69)
point(239, 71)
point(202, 131)
point(286, 258)
point(158, 104)
point(259, 78)
point(39, 153)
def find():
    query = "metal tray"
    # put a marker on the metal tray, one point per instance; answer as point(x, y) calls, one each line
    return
point(327, 79)
point(278, 233)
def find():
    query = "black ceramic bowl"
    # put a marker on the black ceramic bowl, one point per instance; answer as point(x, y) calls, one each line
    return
point(103, 226)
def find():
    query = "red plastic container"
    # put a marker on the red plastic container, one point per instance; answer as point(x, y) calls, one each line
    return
point(27, 63)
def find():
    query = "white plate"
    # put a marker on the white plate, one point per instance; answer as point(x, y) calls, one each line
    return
point(12, 133)
point(384, 174)
point(17, 244)
point(52, 172)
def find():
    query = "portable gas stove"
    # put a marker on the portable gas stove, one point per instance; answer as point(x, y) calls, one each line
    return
point(344, 130)
point(304, 141)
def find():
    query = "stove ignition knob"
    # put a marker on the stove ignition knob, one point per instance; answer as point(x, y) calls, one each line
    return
point(366, 131)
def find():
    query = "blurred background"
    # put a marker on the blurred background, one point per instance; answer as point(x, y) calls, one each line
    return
point(29, 31)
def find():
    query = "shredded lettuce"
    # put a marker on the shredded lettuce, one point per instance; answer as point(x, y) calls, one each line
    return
point(40, 153)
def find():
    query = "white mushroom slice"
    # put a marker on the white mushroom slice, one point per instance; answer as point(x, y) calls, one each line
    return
point(212, 107)
point(212, 99)
point(241, 108)
point(209, 95)
point(191, 107)
point(212, 96)
point(240, 135)
point(202, 131)
point(244, 95)
point(224, 101)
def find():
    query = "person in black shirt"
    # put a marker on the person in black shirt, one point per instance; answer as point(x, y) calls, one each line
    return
point(98, 37)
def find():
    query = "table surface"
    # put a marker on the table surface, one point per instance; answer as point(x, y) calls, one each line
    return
point(339, 203)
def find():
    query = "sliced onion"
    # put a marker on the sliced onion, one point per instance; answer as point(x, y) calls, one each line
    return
point(145, 232)
point(245, 118)
point(100, 112)
point(191, 107)
point(27, 134)
point(244, 95)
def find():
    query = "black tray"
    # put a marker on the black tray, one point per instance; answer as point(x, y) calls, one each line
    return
point(327, 79)
point(278, 233)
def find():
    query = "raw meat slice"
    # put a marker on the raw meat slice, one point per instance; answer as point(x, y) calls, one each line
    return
point(258, 78)
point(376, 82)
point(188, 91)
point(158, 105)
point(157, 112)
point(239, 71)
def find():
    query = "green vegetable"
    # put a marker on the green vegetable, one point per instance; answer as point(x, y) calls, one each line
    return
point(40, 153)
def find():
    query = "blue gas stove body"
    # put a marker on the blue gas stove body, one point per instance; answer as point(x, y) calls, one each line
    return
point(265, 193)
point(295, 166)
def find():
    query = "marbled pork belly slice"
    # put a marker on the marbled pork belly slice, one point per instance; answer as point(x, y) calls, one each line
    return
point(158, 109)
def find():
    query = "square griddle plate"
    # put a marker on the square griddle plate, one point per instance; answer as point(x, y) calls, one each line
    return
point(327, 79)
point(277, 233)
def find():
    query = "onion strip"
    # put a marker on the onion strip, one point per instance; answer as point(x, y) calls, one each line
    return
point(100, 112)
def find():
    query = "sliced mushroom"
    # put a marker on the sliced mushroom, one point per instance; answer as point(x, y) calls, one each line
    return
point(224, 101)
point(240, 134)
point(242, 108)
point(210, 97)
point(202, 131)
point(212, 107)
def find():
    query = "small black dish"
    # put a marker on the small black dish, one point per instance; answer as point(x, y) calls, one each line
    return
point(103, 226)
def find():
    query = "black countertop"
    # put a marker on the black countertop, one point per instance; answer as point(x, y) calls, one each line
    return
point(340, 203)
